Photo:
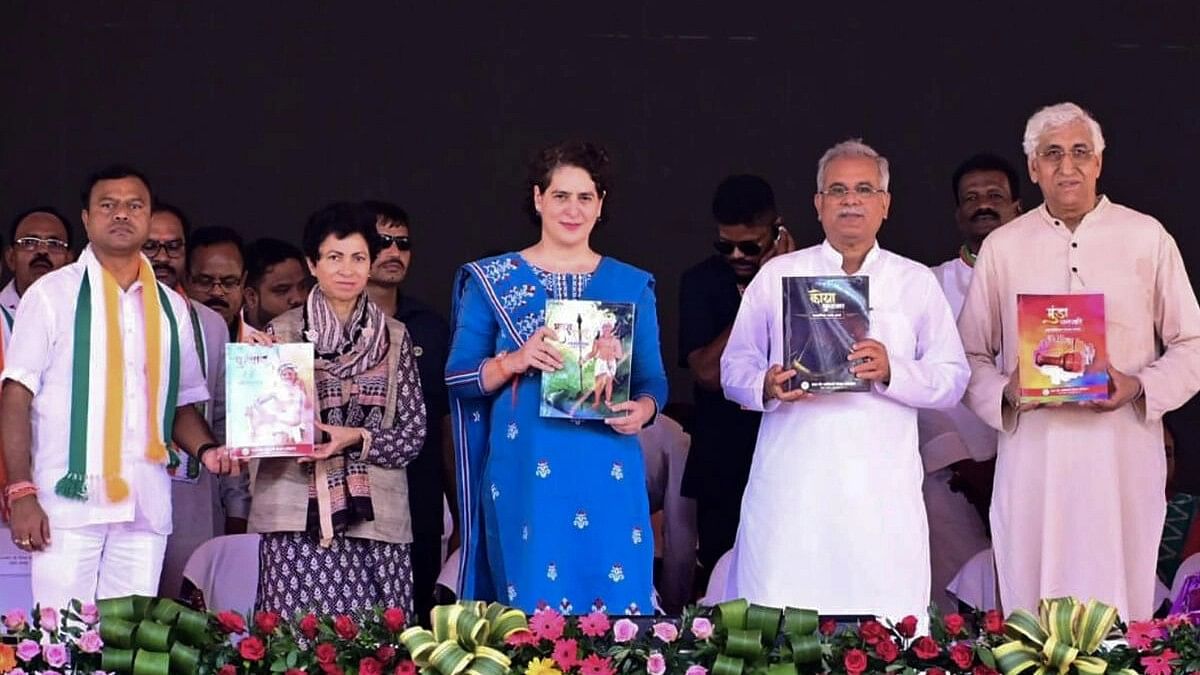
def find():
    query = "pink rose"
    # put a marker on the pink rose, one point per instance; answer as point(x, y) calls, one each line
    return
point(697, 670)
point(48, 618)
point(667, 632)
point(14, 620)
point(90, 614)
point(56, 654)
point(90, 642)
point(624, 630)
point(702, 628)
point(27, 650)
point(656, 664)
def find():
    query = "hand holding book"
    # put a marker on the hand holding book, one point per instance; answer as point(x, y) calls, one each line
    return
point(340, 438)
point(639, 413)
point(871, 362)
point(775, 386)
point(1122, 389)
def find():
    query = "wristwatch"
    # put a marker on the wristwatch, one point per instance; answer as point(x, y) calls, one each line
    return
point(205, 448)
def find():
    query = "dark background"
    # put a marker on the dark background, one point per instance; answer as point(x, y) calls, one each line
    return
point(253, 114)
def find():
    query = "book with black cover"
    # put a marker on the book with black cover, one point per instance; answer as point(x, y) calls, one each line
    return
point(823, 318)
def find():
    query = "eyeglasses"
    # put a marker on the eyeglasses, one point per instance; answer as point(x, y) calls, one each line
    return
point(1055, 154)
point(209, 284)
point(402, 242)
point(748, 248)
point(52, 244)
point(862, 191)
point(172, 247)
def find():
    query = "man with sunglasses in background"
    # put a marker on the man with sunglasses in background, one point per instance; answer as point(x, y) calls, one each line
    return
point(431, 474)
point(749, 232)
point(276, 280)
point(204, 506)
point(40, 242)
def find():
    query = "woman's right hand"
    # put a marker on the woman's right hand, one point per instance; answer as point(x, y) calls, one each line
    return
point(535, 353)
point(261, 338)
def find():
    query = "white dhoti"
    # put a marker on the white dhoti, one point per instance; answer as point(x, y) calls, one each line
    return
point(97, 561)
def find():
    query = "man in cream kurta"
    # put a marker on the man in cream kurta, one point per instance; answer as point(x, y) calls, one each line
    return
point(832, 515)
point(1079, 503)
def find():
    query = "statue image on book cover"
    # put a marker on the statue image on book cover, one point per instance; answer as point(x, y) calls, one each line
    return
point(595, 339)
point(269, 400)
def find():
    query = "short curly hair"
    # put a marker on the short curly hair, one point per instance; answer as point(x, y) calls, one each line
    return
point(586, 155)
point(340, 220)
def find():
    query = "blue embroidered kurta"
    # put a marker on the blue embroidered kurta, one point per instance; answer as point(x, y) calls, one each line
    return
point(554, 512)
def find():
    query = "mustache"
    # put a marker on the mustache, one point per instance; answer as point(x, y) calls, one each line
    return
point(852, 211)
point(213, 303)
point(163, 267)
point(41, 258)
point(984, 213)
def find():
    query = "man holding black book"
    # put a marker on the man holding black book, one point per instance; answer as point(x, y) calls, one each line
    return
point(1078, 504)
point(749, 232)
point(833, 515)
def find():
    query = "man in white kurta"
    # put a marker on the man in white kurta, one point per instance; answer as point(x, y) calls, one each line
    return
point(832, 516)
point(955, 443)
point(1079, 501)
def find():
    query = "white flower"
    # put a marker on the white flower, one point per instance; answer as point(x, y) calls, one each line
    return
point(633, 609)
point(617, 573)
point(618, 471)
point(524, 533)
point(637, 535)
point(512, 431)
point(581, 519)
point(476, 417)
point(495, 492)
point(552, 571)
point(310, 335)
point(566, 607)
point(543, 469)
point(512, 593)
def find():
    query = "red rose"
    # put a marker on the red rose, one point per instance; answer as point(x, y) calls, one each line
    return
point(935, 671)
point(331, 669)
point(385, 654)
point(872, 632)
point(954, 624)
point(231, 622)
point(406, 668)
point(308, 626)
point(325, 653)
point(370, 666)
point(394, 619)
point(266, 622)
point(296, 671)
point(887, 650)
point(993, 622)
point(344, 627)
point(962, 655)
point(227, 669)
point(984, 670)
point(926, 648)
point(252, 649)
point(907, 626)
point(828, 627)
point(855, 661)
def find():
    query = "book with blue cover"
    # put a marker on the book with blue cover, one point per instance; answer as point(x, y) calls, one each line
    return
point(822, 319)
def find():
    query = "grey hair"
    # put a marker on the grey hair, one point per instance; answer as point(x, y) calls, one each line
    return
point(1059, 115)
point(853, 147)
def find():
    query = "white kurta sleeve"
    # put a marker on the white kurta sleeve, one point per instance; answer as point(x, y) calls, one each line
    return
point(31, 346)
point(747, 355)
point(1174, 377)
point(981, 328)
point(192, 387)
point(936, 375)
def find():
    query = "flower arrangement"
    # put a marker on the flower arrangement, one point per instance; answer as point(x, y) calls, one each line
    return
point(734, 638)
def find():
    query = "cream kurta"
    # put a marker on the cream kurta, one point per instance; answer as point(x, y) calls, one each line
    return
point(832, 516)
point(1078, 506)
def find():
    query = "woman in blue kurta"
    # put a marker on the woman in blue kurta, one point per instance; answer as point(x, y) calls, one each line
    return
point(554, 511)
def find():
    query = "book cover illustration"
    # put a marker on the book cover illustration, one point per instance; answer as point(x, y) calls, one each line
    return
point(595, 340)
point(269, 399)
point(1061, 348)
point(823, 318)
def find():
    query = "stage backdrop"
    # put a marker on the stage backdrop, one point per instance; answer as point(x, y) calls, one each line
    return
point(252, 115)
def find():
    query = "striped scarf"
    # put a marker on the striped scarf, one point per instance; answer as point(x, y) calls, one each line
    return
point(97, 396)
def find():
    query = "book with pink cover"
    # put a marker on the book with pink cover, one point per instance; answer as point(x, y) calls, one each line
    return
point(1061, 349)
point(269, 396)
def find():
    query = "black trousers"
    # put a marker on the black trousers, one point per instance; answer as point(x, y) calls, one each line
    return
point(426, 566)
point(716, 528)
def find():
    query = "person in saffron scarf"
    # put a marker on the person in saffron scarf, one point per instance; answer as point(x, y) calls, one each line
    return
point(100, 376)
point(553, 511)
point(336, 530)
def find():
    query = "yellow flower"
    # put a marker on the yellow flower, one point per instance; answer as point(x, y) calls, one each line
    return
point(8, 658)
point(543, 667)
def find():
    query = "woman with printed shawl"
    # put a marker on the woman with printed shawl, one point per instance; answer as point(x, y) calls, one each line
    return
point(336, 527)
point(554, 511)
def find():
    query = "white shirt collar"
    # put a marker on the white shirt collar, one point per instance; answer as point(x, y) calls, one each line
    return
point(831, 255)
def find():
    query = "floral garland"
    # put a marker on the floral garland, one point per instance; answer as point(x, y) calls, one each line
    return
point(473, 638)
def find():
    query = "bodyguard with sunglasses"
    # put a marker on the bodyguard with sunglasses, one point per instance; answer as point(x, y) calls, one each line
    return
point(430, 336)
point(40, 243)
point(749, 232)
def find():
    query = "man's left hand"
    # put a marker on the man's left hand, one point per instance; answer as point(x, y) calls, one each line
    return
point(218, 461)
point(875, 365)
point(1122, 389)
point(640, 412)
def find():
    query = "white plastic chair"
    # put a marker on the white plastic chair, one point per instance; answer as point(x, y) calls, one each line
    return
point(975, 583)
point(718, 581)
point(225, 570)
point(1186, 569)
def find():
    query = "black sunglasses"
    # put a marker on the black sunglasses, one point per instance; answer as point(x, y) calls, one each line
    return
point(748, 248)
point(402, 242)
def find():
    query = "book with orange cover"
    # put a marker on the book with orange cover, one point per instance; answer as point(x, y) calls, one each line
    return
point(1061, 349)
